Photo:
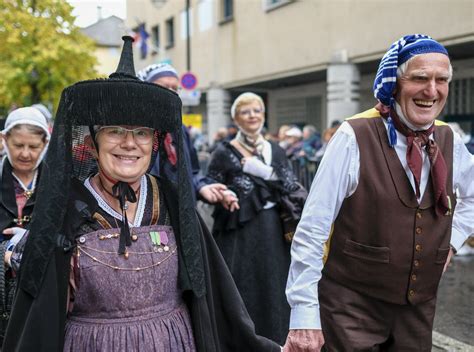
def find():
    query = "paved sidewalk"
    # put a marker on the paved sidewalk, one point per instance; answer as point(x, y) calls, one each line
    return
point(454, 320)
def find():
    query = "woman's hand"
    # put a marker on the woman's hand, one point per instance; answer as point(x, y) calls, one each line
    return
point(7, 258)
point(230, 201)
point(18, 234)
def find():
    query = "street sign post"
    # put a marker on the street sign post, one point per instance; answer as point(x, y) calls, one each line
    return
point(190, 97)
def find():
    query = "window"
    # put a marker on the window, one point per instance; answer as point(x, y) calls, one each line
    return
point(300, 111)
point(461, 97)
point(205, 14)
point(155, 40)
point(169, 33)
point(183, 22)
point(269, 5)
point(227, 10)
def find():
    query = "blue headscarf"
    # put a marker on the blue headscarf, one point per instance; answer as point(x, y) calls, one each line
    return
point(399, 53)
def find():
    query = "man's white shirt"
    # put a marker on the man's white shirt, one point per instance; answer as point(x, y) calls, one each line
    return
point(337, 178)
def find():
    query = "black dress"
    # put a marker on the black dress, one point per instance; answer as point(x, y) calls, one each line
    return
point(251, 239)
point(10, 217)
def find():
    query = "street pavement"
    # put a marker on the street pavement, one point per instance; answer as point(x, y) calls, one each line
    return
point(454, 320)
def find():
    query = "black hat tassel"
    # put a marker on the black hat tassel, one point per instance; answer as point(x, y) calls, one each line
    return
point(125, 68)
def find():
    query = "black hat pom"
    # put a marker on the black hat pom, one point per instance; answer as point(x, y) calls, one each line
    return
point(125, 67)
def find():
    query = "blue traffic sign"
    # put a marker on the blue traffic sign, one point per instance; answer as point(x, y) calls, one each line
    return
point(188, 81)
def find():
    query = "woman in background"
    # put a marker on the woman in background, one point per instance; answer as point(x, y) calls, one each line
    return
point(25, 138)
point(248, 228)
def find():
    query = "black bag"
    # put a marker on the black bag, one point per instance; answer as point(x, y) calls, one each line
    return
point(291, 207)
point(7, 292)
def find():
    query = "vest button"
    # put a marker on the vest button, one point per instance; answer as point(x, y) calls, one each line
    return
point(416, 263)
point(413, 277)
point(418, 214)
point(418, 248)
point(411, 293)
point(418, 230)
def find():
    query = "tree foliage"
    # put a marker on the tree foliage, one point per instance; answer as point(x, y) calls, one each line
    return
point(41, 52)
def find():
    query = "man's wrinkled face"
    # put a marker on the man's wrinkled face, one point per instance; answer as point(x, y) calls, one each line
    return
point(423, 89)
point(172, 83)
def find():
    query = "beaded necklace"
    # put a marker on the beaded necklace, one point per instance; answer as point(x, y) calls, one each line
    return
point(158, 238)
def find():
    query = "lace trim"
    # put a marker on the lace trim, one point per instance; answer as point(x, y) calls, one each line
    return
point(108, 209)
point(31, 187)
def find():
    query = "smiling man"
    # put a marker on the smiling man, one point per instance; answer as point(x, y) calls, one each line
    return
point(382, 213)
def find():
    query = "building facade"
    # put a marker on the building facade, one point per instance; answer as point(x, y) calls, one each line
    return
point(313, 61)
point(107, 34)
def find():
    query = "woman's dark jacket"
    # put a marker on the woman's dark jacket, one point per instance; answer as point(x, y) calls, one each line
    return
point(8, 206)
point(253, 192)
point(220, 319)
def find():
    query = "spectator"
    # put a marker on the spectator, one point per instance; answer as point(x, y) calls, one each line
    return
point(327, 135)
point(219, 137)
point(166, 76)
point(282, 137)
point(311, 142)
point(294, 144)
point(231, 131)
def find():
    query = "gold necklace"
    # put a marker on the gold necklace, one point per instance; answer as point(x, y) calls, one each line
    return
point(165, 249)
point(125, 269)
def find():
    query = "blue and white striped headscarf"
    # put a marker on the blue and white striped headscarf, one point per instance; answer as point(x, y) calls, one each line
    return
point(152, 72)
point(398, 53)
point(386, 79)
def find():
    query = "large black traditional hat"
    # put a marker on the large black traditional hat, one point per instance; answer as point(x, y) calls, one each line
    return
point(122, 99)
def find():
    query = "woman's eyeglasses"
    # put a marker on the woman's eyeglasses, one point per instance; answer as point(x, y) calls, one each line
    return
point(248, 112)
point(116, 134)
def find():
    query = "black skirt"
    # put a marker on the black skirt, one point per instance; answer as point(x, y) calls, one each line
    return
point(259, 258)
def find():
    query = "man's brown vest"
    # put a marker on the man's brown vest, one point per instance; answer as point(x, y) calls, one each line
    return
point(384, 244)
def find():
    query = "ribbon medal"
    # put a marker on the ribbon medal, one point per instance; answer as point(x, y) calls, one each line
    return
point(160, 241)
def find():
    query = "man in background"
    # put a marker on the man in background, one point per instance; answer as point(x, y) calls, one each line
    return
point(166, 76)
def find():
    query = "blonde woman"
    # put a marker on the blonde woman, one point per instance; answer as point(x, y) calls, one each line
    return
point(248, 228)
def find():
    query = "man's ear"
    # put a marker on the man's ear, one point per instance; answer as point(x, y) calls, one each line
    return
point(91, 146)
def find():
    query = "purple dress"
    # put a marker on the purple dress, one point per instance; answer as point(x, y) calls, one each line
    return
point(132, 304)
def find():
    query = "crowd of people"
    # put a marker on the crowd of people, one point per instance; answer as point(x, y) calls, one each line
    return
point(104, 249)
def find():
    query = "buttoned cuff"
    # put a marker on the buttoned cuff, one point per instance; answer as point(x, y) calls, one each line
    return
point(457, 239)
point(305, 318)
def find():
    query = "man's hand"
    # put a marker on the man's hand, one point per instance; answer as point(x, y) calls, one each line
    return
point(304, 341)
point(448, 260)
point(230, 201)
point(213, 193)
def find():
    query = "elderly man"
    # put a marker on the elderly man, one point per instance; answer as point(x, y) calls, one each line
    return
point(383, 206)
point(166, 76)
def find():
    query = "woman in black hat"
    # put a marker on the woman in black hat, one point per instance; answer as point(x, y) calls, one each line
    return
point(117, 260)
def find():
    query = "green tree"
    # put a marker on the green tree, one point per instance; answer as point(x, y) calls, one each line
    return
point(41, 52)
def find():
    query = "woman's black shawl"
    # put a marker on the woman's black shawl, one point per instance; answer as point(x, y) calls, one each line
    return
point(220, 319)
